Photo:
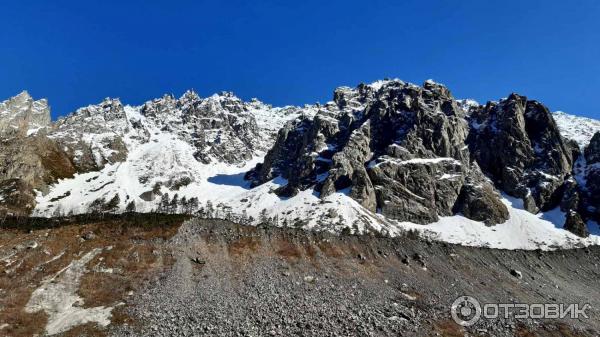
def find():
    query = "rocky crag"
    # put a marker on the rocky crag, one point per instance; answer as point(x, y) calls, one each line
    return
point(29, 159)
point(416, 153)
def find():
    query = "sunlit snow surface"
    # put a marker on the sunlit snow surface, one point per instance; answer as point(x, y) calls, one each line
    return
point(579, 129)
point(522, 231)
point(167, 157)
point(221, 183)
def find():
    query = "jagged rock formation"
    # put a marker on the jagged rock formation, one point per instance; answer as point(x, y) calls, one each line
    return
point(592, 151)
point(517, 143)
point(29, 160)
point(576, 225)
point(397, 148)
point(478, 200)
point(21, 115)
point(220, 129)
point(415, 153)
point(28, 164)
point(93, 136)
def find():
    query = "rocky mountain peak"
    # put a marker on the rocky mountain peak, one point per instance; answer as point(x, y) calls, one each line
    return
point(108, 109)
point(414, 153)
point(21, 115)
point(438, 89)
point(518, 144)
point(22, 97)
point(396, 148)
point(189, 95)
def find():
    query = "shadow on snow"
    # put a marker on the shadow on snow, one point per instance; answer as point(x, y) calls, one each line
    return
point(236, 179)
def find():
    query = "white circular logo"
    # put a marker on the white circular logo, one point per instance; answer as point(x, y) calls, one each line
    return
point(466, 310)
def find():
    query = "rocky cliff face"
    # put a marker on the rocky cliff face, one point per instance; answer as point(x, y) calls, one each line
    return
point(415, 153)
point(221, 128)
point(29, 160)
point(396, 148)
point(592, 178)
point(518, 144)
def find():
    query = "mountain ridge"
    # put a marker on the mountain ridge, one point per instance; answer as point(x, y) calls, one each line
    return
point(114, 157)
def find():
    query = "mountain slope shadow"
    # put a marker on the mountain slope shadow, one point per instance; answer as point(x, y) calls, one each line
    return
point(236, 179)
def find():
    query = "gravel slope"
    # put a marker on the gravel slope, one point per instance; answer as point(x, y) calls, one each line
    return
point(231, 280)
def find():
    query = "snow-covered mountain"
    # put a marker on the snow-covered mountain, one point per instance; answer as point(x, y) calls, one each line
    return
point(386, 157)
point(133, 156)
point(219, 128)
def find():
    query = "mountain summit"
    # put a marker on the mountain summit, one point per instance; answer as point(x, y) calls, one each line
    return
point(22, 115)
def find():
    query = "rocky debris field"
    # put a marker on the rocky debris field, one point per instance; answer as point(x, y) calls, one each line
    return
point(216, 278)
point(230, 280)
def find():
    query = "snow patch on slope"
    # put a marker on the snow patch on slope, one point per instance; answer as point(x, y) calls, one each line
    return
point(523, 230)
point(579, 129)
point(165, 160)
point(224, 185)
point(380, 83)
point(306, 209)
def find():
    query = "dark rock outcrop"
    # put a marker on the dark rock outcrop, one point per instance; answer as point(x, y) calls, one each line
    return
point(592, 151)
point(415, 153)
point(31, 163)
point(592, 178)
point(571, 196)
point(479, 200)
point(575, 224)
point(517, 143)
point(398, 149)
point(17, 197)
point(593, 191)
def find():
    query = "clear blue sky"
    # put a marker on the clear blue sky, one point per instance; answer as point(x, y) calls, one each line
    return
point(294, 52)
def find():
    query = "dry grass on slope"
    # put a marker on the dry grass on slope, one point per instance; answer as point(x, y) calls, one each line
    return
point(34, 251)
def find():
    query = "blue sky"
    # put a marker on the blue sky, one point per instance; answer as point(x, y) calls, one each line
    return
point(294, 52)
